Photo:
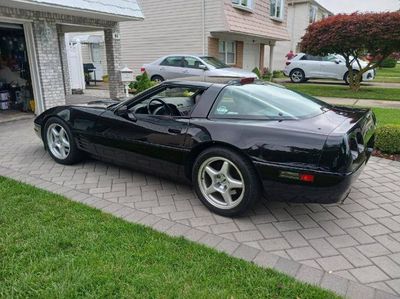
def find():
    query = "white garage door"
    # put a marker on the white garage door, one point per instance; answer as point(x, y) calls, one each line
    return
point(251, 56)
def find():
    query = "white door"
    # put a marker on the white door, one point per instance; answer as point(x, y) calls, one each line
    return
point(97, 61)
point(75, 66)
point(251, 56)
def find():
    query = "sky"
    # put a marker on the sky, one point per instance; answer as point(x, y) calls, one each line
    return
point(348, 6)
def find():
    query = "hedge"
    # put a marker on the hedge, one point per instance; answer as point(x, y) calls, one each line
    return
point(389, 63)
point(388, 139)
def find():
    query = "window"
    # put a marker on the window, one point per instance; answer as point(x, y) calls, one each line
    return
point(218, 64)
point(192, 63)
point(311, 58)
point(243, 3)
point(172, 61)
point(313, 13)
point(180, 100)
point(227, 52)
point(277, 9)
point(264, 101)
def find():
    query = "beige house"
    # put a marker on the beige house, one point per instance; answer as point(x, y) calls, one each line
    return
point(240, 32)
point(301, 13)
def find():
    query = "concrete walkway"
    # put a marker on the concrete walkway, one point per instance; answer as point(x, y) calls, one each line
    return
point(362, 102)
point(352, 249)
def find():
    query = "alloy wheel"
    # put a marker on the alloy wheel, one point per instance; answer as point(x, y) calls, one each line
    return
point(221, 183)
point(58, 141)
point(297, 76)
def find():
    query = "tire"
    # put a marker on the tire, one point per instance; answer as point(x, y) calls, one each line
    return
point(297, 76)
point(219, 170)
point(346, 77)
point(157, 78)
point(63, 150)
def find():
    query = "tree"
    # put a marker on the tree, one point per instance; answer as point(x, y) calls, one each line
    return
point(353, 36)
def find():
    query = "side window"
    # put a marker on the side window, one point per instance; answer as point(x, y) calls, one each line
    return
point(330, 58)
point(191, 62)
point(311, 58)
point(180, 99)
point(175, 61)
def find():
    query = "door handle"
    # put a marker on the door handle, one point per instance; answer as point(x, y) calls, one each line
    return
point(174, 131)
point(185, 71)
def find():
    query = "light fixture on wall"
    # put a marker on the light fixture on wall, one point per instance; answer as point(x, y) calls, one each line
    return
point(45, 31)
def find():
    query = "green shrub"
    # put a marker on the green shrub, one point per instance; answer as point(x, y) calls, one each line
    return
point(389, 62)
point(278, 74)
point(388, 139)
point(256, 71)
point(142, 83)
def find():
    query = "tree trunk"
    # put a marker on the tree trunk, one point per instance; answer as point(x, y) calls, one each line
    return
point(355, 80)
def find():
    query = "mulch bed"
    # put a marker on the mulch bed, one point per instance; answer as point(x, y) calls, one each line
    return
point(395, 157)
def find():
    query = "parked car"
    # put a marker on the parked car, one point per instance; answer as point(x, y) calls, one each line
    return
point(233, 142)
point(184, 66)
point(305, 66)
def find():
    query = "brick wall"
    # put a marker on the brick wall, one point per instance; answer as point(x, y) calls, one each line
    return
point(213, 47)
point(114, 65)
point(239, 54)
point(50, 50)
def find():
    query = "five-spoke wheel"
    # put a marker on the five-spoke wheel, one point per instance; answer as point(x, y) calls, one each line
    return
point(60, 142)
point(221, 182)
point(225, 181)
point(297, 76)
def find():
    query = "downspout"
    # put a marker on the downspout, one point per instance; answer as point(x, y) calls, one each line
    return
point(203, 25)
point(292, 29)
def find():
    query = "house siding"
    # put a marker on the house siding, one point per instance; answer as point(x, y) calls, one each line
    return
point(257, 22)
point(176, 27)
point(170, 27)
point(298, 21)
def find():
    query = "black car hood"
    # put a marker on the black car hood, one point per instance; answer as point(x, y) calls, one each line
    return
point(101, 103)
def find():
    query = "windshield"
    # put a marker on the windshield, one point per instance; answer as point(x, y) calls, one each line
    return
point(218, 64)
point(264, 101)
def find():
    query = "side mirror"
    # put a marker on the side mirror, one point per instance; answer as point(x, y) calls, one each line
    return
point(337, 61)
point(123, 111)
point(203, 67)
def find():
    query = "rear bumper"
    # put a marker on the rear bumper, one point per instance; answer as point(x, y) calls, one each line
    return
point(326, 188)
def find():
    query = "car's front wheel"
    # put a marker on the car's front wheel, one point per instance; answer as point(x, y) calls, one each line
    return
point(225, 181)
point(60, 142)
point(297, 76)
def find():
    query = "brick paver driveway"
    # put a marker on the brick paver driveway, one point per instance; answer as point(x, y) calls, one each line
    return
point(358, 240)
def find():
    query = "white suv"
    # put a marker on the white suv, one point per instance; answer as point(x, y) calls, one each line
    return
point(304, 67)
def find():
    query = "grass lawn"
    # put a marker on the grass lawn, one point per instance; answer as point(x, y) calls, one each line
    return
point(51, 247)
point(386, 116)
point(389, 75)
point(373, 93)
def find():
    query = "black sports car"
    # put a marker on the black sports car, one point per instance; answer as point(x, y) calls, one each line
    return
point(233, 141)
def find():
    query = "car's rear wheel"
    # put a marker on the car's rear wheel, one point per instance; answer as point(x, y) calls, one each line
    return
point(157, 78)
point(225, 182)
point(60, 142)
point(297, 76)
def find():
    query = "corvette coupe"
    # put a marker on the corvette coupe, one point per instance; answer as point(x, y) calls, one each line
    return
point(234, 142)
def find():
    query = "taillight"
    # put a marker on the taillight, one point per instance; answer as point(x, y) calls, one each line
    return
point(288, 62)
point(309, 178)
point(142, 69)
